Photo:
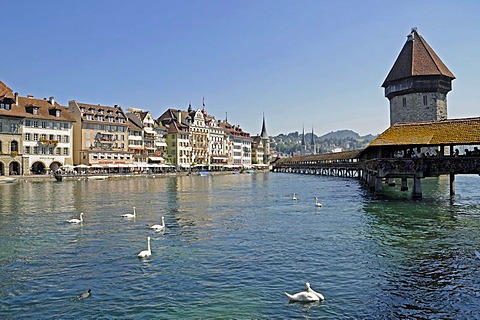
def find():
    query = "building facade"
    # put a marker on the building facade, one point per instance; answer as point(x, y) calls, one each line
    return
point(101, 135)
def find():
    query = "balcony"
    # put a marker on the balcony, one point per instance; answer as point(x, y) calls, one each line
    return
point(47, 142)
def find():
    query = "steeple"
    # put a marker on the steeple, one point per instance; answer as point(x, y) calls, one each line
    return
point(304, 144)
point(264, 134)
point(313, 143)
point(418, 83)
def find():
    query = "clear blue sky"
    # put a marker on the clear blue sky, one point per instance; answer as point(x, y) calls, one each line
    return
point(302, 63)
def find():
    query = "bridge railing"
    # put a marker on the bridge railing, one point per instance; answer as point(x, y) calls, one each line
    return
point(426, 166)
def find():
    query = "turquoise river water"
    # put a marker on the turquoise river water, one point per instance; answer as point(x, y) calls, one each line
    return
point(234, 244)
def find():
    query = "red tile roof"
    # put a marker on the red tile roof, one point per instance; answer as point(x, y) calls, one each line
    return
point(5, 92)
point(417, 58)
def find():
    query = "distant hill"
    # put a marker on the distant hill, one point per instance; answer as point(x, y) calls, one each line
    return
point(341, 140)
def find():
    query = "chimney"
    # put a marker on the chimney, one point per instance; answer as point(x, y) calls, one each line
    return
point(29, 96)
point(16, 98)
point(179, 116)
point(51, 100)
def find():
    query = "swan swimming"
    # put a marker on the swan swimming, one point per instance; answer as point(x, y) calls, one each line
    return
point(75, 220)
point(294, 197)
point(306, 296)
point(85, 295)
point(130, 215)
point(159, 227)
point(146, 253)
point(317, 204)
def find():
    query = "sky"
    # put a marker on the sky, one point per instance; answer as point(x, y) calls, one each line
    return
point(303, 64)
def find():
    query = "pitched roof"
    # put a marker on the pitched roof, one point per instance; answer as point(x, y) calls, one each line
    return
point(445, 132)
point(333, 156)
point(97, 110)
point(264, 133)
point(44, 107)
point(417, 58)
point(5, 92)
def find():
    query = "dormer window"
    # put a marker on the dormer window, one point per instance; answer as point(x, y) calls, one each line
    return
point(91, 110)
point(100, 111)
point(5, 105)
point(100, 118)
point(82, 109)
point(58, 113)
point(35, 110)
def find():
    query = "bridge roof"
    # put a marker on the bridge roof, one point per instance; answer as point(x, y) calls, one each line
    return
point(445, 132)
point(344, 155)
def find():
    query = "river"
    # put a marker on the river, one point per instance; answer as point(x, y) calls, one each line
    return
point(234, 244)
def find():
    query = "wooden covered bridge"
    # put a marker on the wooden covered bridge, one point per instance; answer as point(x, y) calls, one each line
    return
point(405, 150)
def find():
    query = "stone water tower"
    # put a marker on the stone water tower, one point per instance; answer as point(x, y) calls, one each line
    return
point(418, 83)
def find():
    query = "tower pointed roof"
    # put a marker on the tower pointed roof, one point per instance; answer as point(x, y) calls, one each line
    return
point(264, 133)
point(417, 58)
point(303, 137)
point(313, 138)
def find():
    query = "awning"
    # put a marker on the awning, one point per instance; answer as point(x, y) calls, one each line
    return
point(156, 159)
point(160, 144)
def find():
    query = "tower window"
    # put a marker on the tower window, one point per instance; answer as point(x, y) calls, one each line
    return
point(424, 100)
point(404, 101)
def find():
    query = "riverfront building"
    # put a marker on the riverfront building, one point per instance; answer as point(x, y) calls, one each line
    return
point(101, 135)
point(35, 134)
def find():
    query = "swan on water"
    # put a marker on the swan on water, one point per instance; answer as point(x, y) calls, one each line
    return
point(130, 215)
point(75, 220)
point(146, 253)
point(317, 204)
point(159, 227)
point(85, 295)
point(306, 296)
point(294, 197)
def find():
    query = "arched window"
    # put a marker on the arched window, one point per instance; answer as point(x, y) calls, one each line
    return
point(14, 146)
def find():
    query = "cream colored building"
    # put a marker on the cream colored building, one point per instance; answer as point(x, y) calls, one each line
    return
point(100, 135)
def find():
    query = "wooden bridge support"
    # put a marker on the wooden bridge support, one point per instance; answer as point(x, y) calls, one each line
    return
point(417, 187)
point(452, 184)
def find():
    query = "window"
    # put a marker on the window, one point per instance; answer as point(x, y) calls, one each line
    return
point(27, 150)
point(100, 118)
point(65, 151)
point(0, 127)
point(50, 150)
point(44, 124)
point(425, 100)
point(58, 151)
point(35, 137)
point(35, 150)
point(43, 136)
point(35, 123)
point(58, 113)
point(404, 100)
point(35, 110)
point(14, 146)
point(88, 117)
point(27, 137)
point(28, 123)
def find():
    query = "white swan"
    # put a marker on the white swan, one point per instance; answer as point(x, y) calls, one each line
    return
point(146, 253)
point(317, 204)
point(294, 197)
point(75, 220)
point(130, 215)
point(159, 227)
point(306, 296)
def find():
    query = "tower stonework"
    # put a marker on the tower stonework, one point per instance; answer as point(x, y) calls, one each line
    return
point(418, 83)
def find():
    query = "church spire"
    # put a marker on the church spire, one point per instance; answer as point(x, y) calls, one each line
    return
point(264, 134)
point(313, 142)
